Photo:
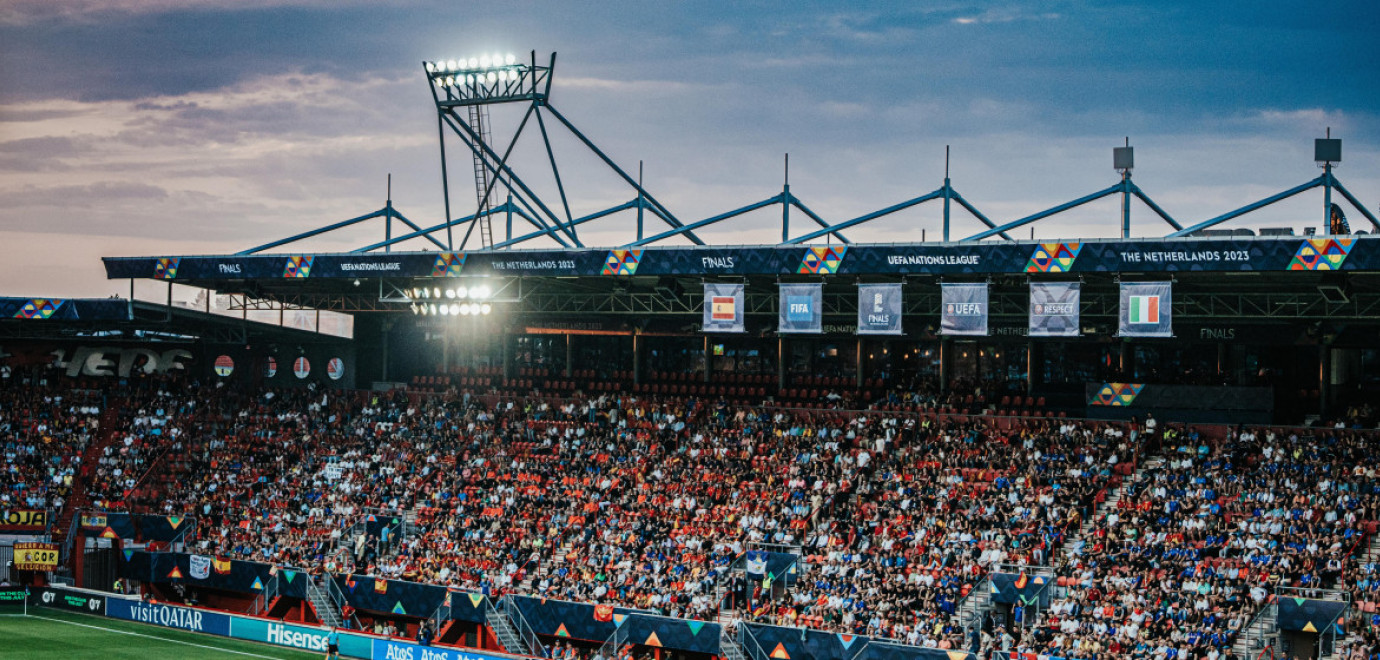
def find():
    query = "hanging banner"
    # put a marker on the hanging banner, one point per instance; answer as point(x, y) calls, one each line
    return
point(1054, 309)
point(964, 309)
point(723, 307)
point(35, 556)
point(801, 309)
point(1146, 309)
point(879, 309)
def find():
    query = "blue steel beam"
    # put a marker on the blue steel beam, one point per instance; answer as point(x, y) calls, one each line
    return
point(315, 232)
point(577, 221)
point(665, 213)
point(864, 218)
point(458, 221)
point(1338, 185)
point(1135, 190)
point(795, 201)
point(1115, 188)
point(1247, 208)
point(426, 235)
point(953, 194)
point(560, 187)
point(686, 229)
point(456, 124)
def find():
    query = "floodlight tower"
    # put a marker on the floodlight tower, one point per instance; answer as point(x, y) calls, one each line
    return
point(1327, 151)
point(472, 85)
point(1123, 161)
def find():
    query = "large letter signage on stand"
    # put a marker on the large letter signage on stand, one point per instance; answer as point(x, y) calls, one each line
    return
point(723, 307)
point(964, 309)
point(1146, 309)
point(879, 309)
point(801, 311)
point(1054, 309)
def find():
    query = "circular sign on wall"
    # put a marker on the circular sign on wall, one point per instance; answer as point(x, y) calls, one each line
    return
point(301, 367)
point(335, 368)
point(270, 368)
point(224, 366)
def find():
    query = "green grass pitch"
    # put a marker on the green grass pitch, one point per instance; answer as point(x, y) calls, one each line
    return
point(56, 635)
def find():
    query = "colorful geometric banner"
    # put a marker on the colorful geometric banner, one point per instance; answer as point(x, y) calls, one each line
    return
point(963, 310)
point(801, 309)
point(1118, 395)
point(298, 267)
point(879, 309)
point(448, 264)
point(1146, 309)
point(1054, 309)
point(622, 262)
point(723, 307)
point(822, 260)
point(1053, 257)
point(1322, 253)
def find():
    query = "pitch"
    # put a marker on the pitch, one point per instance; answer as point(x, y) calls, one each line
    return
point(54, 635)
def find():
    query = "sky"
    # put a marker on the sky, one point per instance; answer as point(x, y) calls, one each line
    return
point(167, 127)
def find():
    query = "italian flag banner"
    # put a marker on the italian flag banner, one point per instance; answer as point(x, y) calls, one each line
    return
point(1146, 309)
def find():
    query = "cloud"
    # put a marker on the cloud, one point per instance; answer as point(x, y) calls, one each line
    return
point(24, 12)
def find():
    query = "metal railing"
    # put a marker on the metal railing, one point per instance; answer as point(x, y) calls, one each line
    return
point(1250, 633)
point(748, 642)
point(523, 629)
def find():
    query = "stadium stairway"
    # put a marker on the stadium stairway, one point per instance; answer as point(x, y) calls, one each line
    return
point(1260, 628)
point(76, 499)
point(326, 611)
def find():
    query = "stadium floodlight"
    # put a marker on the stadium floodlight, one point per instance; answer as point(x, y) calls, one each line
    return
point(445, 310)
point(488, 78)
point(436, 292)
point(481, 292)
point(462, 292)
point(450, 293)
point(485, 309)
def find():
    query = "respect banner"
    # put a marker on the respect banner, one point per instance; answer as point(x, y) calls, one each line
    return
point(1054, 309)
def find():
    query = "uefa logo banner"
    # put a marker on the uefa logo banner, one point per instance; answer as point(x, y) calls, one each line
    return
point(800, 309)
point(723, 307)
point(963, 310)
point(1146, 309)
point(1054, 309)
point(879, 309)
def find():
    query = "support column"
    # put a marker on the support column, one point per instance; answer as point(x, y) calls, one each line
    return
point(708, 360)
point(384, 353)
point(946, 360)
point(780, 363)
point(569, 354)
point(1128, 360)
point(637, 358)
point(1324, 378)
point(1031, 350)
point(858, 377)
point(507, 356)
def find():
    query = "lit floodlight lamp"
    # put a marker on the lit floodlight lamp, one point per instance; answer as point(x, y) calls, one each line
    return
point(474, 62)
point(484, 61)
point(422, 309)
point(509, 59)
point(451, 65)
point(436, 292)
point(492, 76)
point(445, 310)
point(430, 68)
point(485, 309)
point(462, 292)
point(465, 309)
point(450, 293)
point(482, 292)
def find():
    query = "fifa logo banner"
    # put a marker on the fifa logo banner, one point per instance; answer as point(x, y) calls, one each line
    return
point(1146, 309)
point(964, 309)
point(879, 309)
point(723, 307)
point(1054, 309)
point(801, 311)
